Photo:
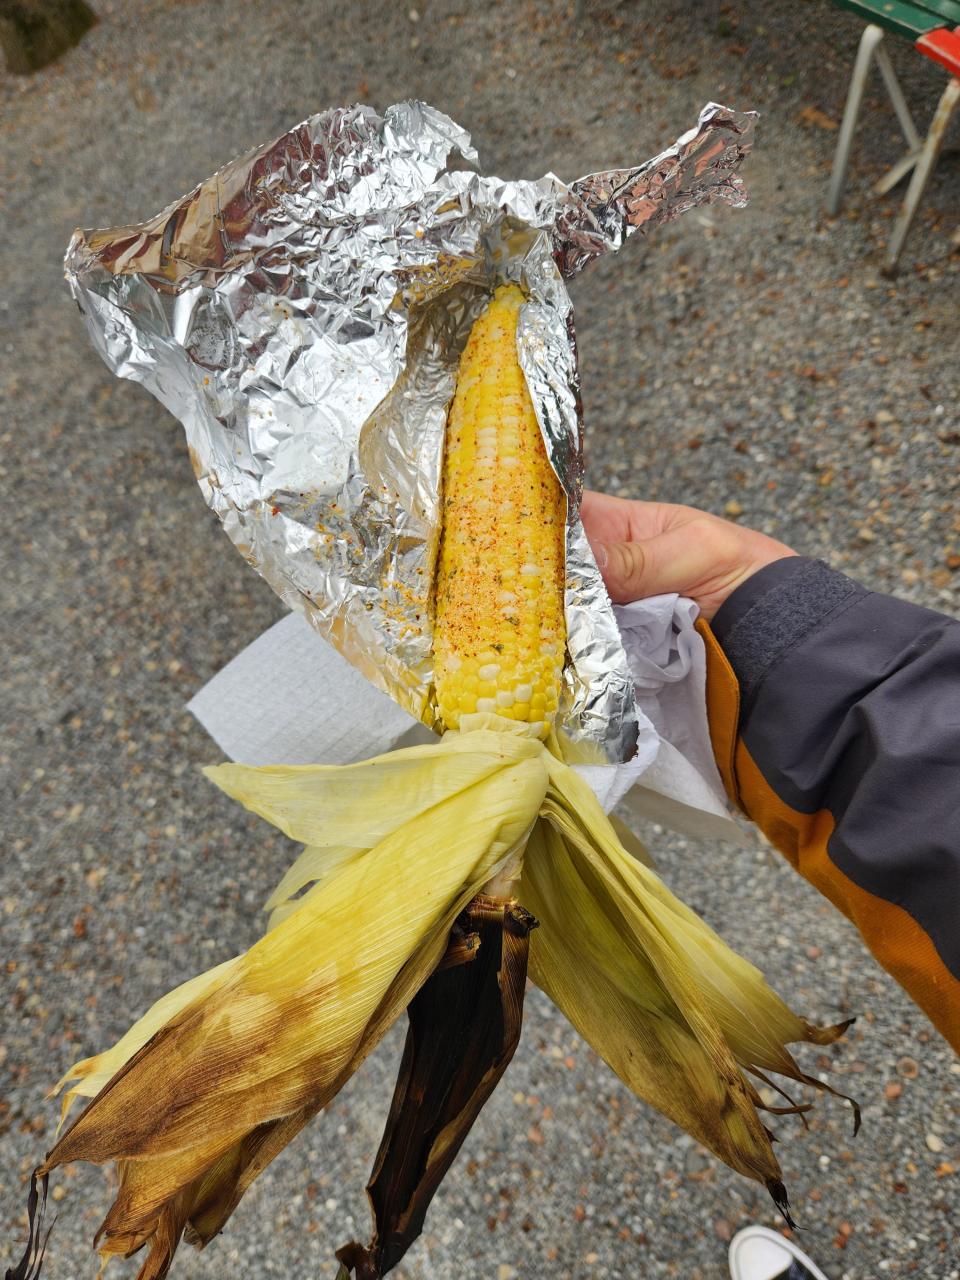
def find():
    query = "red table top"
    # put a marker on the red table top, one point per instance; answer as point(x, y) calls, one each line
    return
point(942, 46)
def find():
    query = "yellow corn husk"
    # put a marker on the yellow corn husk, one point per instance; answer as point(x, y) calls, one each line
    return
point(365, 803)
point(240, 1067)
point(259, 1053)
point(218, 1077)
point(651, 987)
point(499, 633)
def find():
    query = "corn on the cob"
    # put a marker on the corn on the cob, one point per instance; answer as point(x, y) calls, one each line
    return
point(220, 1075)
point(499, 632)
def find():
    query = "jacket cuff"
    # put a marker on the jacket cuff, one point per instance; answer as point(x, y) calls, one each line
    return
point(774, 611)
point(723, 711)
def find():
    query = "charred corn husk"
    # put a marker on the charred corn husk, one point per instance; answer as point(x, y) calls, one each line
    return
point(464, 1029)
point(498, 632)
point(415, 889)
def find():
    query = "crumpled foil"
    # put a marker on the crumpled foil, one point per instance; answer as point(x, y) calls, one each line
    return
point(302, 313)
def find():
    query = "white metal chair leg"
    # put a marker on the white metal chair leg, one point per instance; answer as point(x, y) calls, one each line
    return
point(913, 139)
point(897, 99)
point(926, 162)
point(869, 42)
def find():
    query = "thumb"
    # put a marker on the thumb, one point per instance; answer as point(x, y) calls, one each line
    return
point(635, 570)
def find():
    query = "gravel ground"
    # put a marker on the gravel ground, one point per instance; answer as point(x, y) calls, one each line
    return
point(754, 358)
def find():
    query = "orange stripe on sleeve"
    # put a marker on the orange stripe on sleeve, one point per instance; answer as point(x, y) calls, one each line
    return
point(892, 934)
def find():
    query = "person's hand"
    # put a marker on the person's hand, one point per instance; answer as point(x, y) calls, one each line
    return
point(651, 548)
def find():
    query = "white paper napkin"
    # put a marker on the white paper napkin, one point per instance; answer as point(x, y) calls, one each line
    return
point(290, 698)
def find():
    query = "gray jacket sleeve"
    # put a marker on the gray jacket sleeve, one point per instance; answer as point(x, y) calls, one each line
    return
point(848, 756)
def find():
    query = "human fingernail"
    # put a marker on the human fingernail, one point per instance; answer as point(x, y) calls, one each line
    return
point(601, 555)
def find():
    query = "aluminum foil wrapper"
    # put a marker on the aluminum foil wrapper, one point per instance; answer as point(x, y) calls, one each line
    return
point(302, 313)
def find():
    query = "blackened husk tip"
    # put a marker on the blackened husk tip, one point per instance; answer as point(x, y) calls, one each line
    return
point(31, 1263)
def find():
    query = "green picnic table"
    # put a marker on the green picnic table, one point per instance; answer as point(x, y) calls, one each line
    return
point(930, 26)
point(906, 19)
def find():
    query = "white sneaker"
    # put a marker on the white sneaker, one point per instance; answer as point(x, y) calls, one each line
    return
point(757, 1253)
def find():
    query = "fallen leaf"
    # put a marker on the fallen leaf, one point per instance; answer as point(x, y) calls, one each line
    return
point(814, 118)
